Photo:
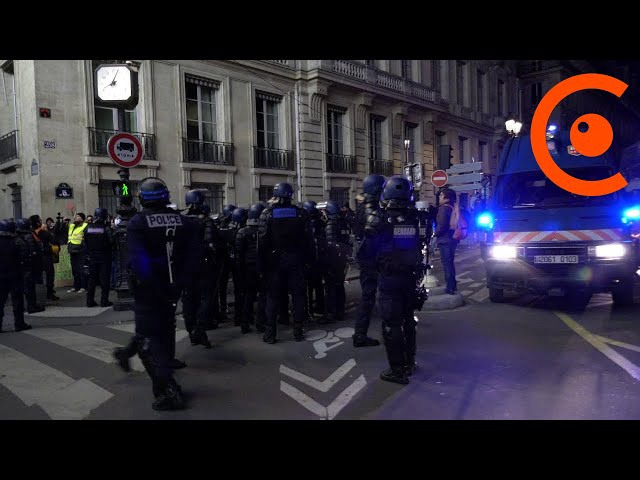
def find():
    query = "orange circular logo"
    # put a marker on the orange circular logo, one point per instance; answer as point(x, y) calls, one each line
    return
point(595, 141)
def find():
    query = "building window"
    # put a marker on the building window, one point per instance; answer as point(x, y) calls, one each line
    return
point(335, 125)
point(16, 201)
point(107, 198)
point(536, 93)
point(340, 195)
point(482, 151)
point(375, 137)
point(500, 97)
point(410, 134)
point(265, 192)
point(406, 69)
point(461, 81)
point(480, 79)
point(200, 94)
point(267, 120)
point(462, 141)
point(440, 138)
point(107, 119)
point(214, 196)
point(435, 74)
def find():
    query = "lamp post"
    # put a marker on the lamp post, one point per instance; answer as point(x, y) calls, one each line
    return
point(513, 127)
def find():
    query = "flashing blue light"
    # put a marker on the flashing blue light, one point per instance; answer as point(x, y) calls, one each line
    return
point(485, 220)
point(552, 128)
point(632, 213)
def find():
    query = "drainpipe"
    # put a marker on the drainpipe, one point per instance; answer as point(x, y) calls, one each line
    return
point(15, 106)
point(298, 159)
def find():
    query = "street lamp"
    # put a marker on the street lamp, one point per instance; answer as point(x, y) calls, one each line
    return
point(513, 127)
point(407, 143)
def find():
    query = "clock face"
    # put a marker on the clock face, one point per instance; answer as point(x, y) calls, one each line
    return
point(113, 82)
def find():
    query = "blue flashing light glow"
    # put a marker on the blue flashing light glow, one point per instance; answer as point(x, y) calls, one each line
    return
point(551, 128)
point(485, 220)
point(632, 213)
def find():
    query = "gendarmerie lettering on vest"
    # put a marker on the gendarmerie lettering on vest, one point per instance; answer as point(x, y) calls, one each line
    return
point(95, 230)
point(404, 231)
point(158, 220)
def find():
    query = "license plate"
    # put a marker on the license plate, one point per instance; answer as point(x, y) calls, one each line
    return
point(555, 259)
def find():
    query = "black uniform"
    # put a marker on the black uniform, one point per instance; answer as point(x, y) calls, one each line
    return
point(253, 281)
point(31, 261)
point(198, 294)
point(317, 270)
point(366, 257)
point(285, 244)
point(228, 231)
point(398, 246)
point(11, 281)
point(161, 243)
point(336, 232)
point(99, 242)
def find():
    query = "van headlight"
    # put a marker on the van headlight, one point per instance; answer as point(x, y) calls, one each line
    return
point(608, 250)
point(503, 252)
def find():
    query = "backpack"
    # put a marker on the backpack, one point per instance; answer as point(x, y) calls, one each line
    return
point(458, 223)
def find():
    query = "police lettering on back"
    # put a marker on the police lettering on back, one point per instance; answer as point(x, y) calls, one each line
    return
point(158, 220)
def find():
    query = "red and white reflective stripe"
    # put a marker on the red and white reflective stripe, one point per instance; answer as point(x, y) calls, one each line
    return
point(611, 234)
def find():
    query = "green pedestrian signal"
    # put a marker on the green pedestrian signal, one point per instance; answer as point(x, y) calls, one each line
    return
point(125, 190)
point(121, 190)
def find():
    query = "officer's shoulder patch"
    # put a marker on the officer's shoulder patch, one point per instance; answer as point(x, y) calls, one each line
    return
point(95, 230)
point(285, 212)
point(158, 220)
point(404, 231)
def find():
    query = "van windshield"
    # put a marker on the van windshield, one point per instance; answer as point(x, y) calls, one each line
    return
point(535, 190)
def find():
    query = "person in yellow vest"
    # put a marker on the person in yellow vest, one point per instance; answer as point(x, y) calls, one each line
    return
point(77, 253)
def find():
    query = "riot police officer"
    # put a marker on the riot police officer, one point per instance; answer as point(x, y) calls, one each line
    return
point(286, 244)
point(11, 275)
point(99, 241)
point(366, 257)
point(397, 233)
point(228, 235)
point(161, 246)
point(316, 271)
point(30, 261)
point(247, 260)
point(339, 247)
point(197, 295)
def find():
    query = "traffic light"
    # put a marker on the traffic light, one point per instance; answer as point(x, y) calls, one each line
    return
point(122, 189)
point(444, 157)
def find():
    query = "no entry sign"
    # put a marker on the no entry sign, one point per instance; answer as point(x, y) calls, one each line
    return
point(125, 150)
point(439, 178)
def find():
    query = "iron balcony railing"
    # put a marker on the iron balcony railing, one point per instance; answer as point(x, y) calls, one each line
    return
point(199, 151)
point(9, 146)
point(98, 139)
point(272, 158)
point(341, 163)
point(381, 167)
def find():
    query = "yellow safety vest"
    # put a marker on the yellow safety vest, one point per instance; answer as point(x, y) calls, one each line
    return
point(76, 234)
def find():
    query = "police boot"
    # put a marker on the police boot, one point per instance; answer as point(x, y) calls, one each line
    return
point(326, 319)
point(177, 364)
point(361, 340)
point(397, 375)
point(122, 359)
point(170, 399)
point(411, 366)
point(22, 326)
point(298, 334)
point(199, 337)
point(245, 328)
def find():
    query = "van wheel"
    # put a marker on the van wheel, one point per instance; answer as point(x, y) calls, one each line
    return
point(496, 295)
point(623, 294)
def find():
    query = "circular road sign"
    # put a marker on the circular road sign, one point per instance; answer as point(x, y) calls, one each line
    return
point(439, 178)
point(125, 150)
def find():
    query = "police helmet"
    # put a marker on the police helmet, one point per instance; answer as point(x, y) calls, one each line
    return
point(309, 206)
point(283, 190)
point(23, 224)
point(100, 213)
point(8, 225)
point(372, 184)
point(397, 188)
point(255, 210)
point(239, 215)
point(228, 210)
point(153, 190)
point(194, 197)
point(332, 207)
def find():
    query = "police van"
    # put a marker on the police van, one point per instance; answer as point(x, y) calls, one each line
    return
point(545, 240)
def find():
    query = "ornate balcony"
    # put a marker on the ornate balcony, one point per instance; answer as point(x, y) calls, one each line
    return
point(272, 158)
point(341, 163)
point(381, 167)
point(98, 139)
point(198, 151)
point(9, 146)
